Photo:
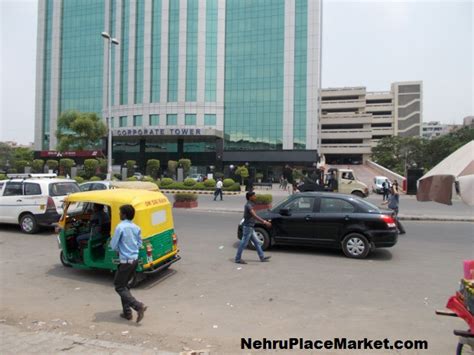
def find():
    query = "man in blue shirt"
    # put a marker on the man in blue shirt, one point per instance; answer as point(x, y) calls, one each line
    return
point(127, 241)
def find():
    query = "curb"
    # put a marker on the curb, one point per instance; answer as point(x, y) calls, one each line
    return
point(402, 218)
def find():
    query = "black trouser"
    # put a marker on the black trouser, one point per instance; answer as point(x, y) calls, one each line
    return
point(384, 195)
point(124, 274)
point(400, 227)
point(217, 193)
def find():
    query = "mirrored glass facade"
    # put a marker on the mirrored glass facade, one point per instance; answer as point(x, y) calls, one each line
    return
point(241, 72)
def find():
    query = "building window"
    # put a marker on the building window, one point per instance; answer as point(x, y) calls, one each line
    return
point(112, 122)
point(173, 50)
point(190, 119)
point(209, 120)
point(123, 121)
point(154, 120)
point(137, 120)
point(171, 119)
point(191, 50)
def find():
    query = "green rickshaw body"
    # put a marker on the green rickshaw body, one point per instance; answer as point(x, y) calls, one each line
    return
point(153, 214)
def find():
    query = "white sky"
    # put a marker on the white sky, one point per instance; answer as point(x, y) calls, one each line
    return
point(365, 43)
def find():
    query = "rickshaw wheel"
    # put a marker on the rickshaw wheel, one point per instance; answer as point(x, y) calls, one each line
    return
point(63, 260)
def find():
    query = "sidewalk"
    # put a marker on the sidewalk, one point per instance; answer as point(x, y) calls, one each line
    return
point(410, 208)
point(17, 341)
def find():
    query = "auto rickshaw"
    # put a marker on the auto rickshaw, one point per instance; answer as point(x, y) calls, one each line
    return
point(152, 214)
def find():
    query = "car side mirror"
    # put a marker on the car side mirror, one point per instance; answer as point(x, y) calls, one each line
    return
point(285, 212)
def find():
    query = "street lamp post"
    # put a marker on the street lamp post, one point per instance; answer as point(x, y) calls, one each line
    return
point(109, 102)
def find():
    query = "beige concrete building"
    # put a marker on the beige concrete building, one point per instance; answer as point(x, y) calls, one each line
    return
point(353, 120)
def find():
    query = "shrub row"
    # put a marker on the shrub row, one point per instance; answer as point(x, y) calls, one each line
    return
point(264, 199)
point(185, 197)
point(197, 186)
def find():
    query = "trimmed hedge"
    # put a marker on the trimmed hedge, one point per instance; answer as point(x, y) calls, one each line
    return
point(148, 179)
point(79, 179)
point(198, 186)
point(95, 178)
point(189, 182)
point(264, 199)
point(3, 177)
point(185, 197)
point(228, 182)
point(166, 182)
point(210, 183)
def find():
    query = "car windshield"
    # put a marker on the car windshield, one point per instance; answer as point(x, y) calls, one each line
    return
point(281, 203)
point(371, 208)
point(63, 188)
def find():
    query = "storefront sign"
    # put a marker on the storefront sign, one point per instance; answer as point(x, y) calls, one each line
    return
point(131, 132)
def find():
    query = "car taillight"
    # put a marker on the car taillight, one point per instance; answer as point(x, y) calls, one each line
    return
point(389, 221)
point(50, 205)
point(175, 240)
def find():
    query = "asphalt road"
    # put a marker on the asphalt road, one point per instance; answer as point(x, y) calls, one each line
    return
point(206, 302)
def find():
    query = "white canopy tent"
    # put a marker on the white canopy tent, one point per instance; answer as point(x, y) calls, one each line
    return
point(454, 172)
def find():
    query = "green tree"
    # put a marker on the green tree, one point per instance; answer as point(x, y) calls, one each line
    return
point(153, 168)
point(52, 164)
point(243, 172)
point(79, 131)
point(172, 165)
point(131, 167)
point(37, 165)
point(90, 167)
point(20, 165)
point(102, 165)
point(186, 164)
point(397, 153)
point(22, 153)
point(6, 153)
point(439, 148)
point(66, 165)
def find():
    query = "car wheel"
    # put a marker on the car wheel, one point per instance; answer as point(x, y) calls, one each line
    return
point(28, 224)
point(356, 246)
point(358, 194)
point(263, 237)
point(63, 260)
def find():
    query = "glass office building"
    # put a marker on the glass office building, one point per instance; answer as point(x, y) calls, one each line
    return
point(218, 81)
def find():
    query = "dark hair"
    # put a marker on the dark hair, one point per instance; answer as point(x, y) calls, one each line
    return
point(249, 194)
point(98, 207)
point(127, 211)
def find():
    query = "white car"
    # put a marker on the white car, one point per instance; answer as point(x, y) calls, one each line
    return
point(33, 200)
point(378, 181)
point(95, 185)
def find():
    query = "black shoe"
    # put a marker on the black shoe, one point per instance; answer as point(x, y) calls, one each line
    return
point(265, 259)
point(241, 262)
point(141, 312)
point(126, 316)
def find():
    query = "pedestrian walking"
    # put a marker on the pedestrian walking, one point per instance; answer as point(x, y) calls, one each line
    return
point(248, 232)
point(218, 191)
point(127, 241)
point(385, 191)
point(393, 203)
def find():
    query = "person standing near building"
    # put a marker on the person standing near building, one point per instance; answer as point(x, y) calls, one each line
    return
point(248, 232)
point(218, 191)
point(393, 203)
point(127, 241)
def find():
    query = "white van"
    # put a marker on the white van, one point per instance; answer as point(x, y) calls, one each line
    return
point(33, 200)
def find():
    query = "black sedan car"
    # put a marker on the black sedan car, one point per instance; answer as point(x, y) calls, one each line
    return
point(330, 220)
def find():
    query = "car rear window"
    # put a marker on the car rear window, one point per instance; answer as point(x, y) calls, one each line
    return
point(63, 188)
point(369, 207)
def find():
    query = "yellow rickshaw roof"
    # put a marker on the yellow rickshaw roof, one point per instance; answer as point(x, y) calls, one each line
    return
point(119, 197)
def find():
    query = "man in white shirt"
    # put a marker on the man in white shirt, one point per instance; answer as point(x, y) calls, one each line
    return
point(218, 189)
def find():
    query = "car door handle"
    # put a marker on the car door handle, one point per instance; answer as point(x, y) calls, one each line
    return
point(19, 200)
point(307, 218)
point(347, 218)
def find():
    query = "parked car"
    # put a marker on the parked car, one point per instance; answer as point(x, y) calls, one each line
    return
point(107, 185)
point(378, 181)
point(196, 177)
point(139, 176)
point(328, 219)
point(33, 200)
